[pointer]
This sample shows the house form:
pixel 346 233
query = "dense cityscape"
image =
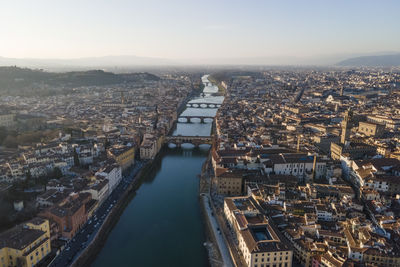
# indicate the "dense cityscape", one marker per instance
pixel 302 167
pixel 200 133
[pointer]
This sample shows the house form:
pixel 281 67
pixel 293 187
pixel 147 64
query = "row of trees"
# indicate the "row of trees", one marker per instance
pixel 31 182
pixel 11 138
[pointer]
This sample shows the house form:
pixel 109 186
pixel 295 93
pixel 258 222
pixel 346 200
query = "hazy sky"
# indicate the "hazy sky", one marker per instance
pixel 196 29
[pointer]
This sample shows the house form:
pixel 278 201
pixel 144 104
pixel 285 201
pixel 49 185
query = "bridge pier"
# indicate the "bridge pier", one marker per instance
pixel 203 105
pixel 195 140
pixel 201 118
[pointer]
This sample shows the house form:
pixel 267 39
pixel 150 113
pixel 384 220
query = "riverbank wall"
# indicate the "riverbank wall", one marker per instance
pixel 214 255
pixel 91 251
pixel 95 246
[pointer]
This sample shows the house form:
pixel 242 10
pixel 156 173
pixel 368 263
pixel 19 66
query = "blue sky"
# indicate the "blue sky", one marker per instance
pixel 197 29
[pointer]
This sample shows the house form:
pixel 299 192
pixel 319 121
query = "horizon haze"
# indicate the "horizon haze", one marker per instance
pixel 180 32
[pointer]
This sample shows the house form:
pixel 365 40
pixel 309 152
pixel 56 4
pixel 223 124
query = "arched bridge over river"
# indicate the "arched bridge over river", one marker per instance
pixel 195 140
pixel 189 118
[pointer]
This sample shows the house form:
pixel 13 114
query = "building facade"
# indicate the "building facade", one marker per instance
pixel 26 244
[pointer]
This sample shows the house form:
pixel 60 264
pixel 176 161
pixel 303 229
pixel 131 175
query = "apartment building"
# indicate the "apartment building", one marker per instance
pixel 25 244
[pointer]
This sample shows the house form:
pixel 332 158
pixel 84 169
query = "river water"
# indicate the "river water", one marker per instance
pixel 162 225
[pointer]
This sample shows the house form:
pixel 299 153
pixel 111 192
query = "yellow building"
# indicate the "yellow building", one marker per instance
pixel 25 244
pixel 380 258
pixel 230 183
pixel 371 129
pixel 123 155
pixel 150 146
pixel 353 149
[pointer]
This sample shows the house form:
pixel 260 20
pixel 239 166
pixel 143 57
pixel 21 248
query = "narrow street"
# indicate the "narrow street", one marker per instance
pixel 224 251
pixel 85 236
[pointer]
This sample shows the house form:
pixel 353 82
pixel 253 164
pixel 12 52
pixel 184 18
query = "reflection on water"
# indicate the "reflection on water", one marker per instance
pixel 162 225
pixel 164 217
pixel 195 127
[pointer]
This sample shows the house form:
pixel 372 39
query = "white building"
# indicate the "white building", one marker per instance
pixel 299 165
pixel 113 174
pixel 99 190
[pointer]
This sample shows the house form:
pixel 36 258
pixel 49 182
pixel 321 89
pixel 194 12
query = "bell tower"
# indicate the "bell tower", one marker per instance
pixel 346 126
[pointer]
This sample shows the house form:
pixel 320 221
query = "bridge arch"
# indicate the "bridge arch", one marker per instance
pixel 194 140
pixel 203 119
pixel 203 105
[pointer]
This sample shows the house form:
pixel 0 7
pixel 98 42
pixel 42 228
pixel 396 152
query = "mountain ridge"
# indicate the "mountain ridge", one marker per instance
pixel 26 81
pixel 372 61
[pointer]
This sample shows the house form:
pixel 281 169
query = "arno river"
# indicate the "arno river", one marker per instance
pixel 162 225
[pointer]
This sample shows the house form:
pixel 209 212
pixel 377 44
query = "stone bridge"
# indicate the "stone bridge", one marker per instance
pixel 178 140
pixel 189 118
pixel 203 105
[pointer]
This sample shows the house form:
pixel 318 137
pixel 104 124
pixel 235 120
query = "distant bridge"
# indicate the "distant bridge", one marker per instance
pixel 189 118
pixel 203 105
pixel 178 140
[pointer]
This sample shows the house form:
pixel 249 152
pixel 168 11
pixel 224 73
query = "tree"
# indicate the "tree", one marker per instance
pixel 107 144
pixel 28 175
pixel 57 173
pixel 10 142
pixel 76 158
pixel 3 134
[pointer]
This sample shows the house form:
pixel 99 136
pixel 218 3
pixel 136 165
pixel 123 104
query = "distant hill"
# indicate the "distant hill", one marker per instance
pixel 24 81
pixel 372 61
pixel 85 62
